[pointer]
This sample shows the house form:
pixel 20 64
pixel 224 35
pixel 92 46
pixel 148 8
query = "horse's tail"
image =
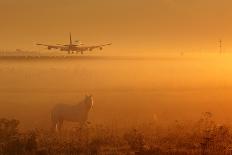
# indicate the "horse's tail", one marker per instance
pixel 52 115
pixel 53 120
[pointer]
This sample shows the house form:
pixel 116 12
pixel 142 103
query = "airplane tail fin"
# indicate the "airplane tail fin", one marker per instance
pixel 70 38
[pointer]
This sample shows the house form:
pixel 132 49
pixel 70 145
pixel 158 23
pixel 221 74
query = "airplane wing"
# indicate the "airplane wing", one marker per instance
pixel 51 46
pixel 90 48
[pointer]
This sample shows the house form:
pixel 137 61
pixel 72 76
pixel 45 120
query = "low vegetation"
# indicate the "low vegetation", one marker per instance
pixel 181 138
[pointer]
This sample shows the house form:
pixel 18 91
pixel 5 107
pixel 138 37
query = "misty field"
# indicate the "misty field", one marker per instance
pixel 137 102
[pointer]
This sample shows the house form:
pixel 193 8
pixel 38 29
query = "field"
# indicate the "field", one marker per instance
pixel 161 104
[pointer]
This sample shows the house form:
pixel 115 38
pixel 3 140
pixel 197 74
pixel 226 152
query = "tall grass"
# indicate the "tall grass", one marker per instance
pixel 180 138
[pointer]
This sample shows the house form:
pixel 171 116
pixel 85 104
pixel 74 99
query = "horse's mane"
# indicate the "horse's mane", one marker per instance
pixel 80 103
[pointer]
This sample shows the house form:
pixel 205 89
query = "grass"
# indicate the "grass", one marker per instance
pixel 180 138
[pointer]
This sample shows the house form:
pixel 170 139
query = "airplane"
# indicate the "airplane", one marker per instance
pixel 72 48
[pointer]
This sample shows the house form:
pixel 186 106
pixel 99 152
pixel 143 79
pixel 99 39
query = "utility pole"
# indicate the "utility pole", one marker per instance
pixel 220 46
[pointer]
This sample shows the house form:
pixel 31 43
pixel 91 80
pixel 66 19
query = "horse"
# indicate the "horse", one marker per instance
pixel 72 113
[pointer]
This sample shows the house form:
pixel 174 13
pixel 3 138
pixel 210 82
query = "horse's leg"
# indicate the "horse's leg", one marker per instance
pixel 83 122
pixel 53 128
pixel 82 125
pixel 59 125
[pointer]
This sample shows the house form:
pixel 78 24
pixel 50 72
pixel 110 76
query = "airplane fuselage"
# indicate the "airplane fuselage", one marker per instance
pixel 72 48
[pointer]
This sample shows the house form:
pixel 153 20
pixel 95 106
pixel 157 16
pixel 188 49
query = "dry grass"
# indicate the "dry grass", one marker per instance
pixel 180 138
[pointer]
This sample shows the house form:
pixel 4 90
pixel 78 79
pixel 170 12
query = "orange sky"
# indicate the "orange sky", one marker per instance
pixel 129 24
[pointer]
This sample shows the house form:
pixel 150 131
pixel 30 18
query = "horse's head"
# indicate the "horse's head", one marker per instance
pixel 89 101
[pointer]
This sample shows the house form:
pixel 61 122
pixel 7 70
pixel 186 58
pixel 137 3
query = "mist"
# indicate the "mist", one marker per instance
pixel 126 89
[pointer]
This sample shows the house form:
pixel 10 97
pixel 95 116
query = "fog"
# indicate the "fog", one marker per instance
pixel 126 89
